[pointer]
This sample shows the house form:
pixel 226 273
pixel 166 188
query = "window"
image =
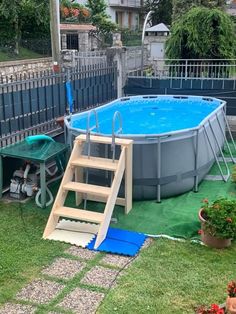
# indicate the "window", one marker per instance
pixel 72 41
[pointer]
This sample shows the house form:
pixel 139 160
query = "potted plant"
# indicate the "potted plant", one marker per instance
pixel 214 309
pixel 231 299
pixel 218 222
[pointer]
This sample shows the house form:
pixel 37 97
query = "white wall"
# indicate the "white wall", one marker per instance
pixel 112 13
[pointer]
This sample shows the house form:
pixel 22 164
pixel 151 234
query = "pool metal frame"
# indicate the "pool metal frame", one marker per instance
pixel 205 126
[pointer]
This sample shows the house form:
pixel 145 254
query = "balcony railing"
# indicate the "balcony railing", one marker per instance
pixel 125 3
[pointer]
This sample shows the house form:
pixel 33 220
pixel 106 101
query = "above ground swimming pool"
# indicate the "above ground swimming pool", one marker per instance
pixel 176 139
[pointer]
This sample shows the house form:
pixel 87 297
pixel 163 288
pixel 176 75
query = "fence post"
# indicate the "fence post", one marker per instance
pixel 117 54
pixel 186 69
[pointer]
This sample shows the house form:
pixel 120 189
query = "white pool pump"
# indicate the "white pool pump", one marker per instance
pixel 23 184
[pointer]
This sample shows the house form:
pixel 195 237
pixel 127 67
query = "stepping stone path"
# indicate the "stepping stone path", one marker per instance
pixel 100 277
pixel 82 301
pixel 10 308
pixel 64 268
pixel 40 291
pixel 81 298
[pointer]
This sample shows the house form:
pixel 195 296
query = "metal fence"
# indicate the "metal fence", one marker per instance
pixel 30 103
pixel 90 57
pixel 189 68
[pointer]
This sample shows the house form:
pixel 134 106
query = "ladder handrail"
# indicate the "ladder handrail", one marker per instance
pixel 88 133
pixel 116 115
pixel 89 129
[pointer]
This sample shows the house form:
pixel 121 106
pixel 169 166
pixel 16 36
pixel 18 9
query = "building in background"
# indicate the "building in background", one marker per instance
pixel 125 13
pixel 231 7
pixel 77 37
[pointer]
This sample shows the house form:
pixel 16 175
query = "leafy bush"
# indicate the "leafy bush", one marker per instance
pixel 220 218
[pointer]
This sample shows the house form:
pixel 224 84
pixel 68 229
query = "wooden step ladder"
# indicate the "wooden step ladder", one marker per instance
pixel 73 181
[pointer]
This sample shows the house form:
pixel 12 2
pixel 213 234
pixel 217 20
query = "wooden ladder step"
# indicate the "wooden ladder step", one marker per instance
pixel 104 140
pixel 87 188
pixel 96 163
pixel 79 214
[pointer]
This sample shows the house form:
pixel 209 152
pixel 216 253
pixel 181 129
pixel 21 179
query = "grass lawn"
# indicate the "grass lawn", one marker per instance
pixel 168 277
pixel 22 251
pixel 173 277
pixel 23 54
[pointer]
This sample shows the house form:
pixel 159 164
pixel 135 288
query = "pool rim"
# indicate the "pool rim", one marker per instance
pixel 152 136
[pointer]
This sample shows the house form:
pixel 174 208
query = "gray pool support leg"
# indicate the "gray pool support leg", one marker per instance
pixel 196 162
pixel 158 170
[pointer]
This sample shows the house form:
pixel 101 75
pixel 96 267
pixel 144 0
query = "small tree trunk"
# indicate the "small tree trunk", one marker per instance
pixel 16 37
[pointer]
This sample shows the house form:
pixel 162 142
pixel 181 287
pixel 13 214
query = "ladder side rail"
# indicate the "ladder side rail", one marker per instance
pixel 88 141
pixel 102 232
pixel 113 145
pixel 214 154
pixel 61 194
pixel 228 127
pixel 225 139
pixel 221 152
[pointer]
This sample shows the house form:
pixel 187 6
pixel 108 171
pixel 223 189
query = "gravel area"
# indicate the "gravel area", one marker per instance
pixel 40 291
pixel 100 276
pixel 10 308
pixel 82 301
pixel 147 243
pixel 116 260
pixel 82 253
pixel 64 268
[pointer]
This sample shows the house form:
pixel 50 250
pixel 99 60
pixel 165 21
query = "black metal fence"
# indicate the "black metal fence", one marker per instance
pixel 220 88
pixel 29 104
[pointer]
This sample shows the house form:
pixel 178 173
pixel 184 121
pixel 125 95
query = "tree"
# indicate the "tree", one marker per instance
pixel 99 17
pixel 180 7
pixel 162 11
pixel 17 13
pixel 202 33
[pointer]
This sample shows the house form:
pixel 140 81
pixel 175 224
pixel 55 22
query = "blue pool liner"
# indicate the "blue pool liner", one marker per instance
pixel 121 242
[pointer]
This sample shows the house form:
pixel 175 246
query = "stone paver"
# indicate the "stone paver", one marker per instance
pixel 116 260
pixel 64 268
pixel 10 308
pixel 81 252
pixel 82 301
pixel 100 276
pixel 40 291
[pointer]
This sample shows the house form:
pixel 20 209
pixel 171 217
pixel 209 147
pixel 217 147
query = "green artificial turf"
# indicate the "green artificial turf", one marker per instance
pixel 176 216
pixel 172 277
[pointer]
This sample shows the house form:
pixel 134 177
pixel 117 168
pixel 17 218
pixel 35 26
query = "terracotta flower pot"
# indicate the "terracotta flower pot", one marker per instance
pixel 209 240
pixel 231 305
pixel 60 121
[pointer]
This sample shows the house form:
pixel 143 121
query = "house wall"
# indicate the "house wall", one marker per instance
pixel 111 11
pixel 86 42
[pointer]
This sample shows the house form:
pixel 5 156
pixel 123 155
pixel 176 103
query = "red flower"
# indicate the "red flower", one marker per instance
pixel 215 309
pixel 75 12
pixel 200 231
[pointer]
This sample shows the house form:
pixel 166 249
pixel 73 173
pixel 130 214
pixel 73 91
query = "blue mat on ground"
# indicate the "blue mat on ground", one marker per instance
pixel 120 242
